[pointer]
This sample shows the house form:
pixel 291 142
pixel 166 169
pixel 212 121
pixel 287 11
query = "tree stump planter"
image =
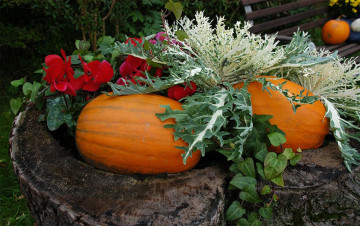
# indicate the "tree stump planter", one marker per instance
pixel 61 189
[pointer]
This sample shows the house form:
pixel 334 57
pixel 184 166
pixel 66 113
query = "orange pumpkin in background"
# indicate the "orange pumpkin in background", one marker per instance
pixel 122 134
pixel 305 129
pixel 335 31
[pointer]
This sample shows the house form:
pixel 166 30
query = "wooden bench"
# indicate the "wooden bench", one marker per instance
pixel 285 17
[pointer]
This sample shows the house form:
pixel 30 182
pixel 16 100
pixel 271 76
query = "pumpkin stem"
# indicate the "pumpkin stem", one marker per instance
pixel 339 17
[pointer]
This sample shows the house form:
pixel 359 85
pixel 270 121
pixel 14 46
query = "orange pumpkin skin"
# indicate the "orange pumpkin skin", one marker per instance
pixel 335 31
pixel 122 134
pixel 305 129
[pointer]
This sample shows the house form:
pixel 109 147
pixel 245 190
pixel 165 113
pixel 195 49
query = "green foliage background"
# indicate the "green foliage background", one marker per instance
pixel 33 29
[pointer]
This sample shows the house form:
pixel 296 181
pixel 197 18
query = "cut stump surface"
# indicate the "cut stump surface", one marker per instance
pixel 61 189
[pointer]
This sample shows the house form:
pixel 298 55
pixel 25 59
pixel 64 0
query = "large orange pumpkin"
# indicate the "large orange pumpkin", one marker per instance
pixel 122 134
pixel 305 129
pixel 335 31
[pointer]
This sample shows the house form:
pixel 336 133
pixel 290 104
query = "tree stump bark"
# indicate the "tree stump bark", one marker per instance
pixel 61 189
pixel 319 190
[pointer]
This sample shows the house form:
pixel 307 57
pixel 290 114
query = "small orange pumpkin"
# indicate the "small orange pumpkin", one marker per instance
pixel 122 134
pixel 335 31
pixel 305 129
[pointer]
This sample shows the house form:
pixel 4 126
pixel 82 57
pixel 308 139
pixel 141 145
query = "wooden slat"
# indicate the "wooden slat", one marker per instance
pixel 304 27
pixel 347 46
pixel 248 2
pixel 288 19
pixel 281 8
pixel 331 47
pixel 352 48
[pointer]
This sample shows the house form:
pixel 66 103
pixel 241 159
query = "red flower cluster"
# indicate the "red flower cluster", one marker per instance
pixel 133 67
pixel 178 92
pixel 60 74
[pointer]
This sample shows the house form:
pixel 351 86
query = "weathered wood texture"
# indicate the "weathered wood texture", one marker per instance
pixel 319 191
pixel 286 18
pixel 63 190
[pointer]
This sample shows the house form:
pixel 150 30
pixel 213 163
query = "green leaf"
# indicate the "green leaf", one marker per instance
pixel 242 222
pixel 276 138
pixel 288 152
pixel 261 152
pixel 39 71
pixel 15 105
pixel 174 7
pixel 262 118
pixel 265 190
pixel 148 45
pixel 338 125
pixel 55 119
pixel 295 160
pixel 226 152
pixel 82 45
pixel 234 168
pixel 249 194
pixel 56 116
pixel 275 197
pixel 266 212
pixel 253 219
pixel 235 211
pixel 152 63
pixel 240 181
pixel 260 169
pixel 17 83
pixel 278 180
pixel 27 88
pixel 247 167
pixel 274 165
pixel 181 35
pixel 34 91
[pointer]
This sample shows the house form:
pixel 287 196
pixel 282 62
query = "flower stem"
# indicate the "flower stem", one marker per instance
pixel 66 103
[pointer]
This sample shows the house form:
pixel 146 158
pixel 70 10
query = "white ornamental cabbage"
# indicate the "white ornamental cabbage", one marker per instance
pixel 355 26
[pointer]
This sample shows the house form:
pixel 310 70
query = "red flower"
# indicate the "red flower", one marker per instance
pixel 95 74
pixel 134 66
pixel 133 41
pixel 60 74
pixel 178 92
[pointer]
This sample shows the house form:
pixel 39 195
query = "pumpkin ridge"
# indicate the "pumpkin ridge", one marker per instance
pixel 145 154
pixel 136 140
pixel 84 132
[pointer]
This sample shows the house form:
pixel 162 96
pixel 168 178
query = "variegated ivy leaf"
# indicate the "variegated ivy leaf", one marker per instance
pixel 207 116
pixel 338 125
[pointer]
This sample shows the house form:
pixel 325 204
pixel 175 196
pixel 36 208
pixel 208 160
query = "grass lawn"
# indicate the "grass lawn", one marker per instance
pixel 13 207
